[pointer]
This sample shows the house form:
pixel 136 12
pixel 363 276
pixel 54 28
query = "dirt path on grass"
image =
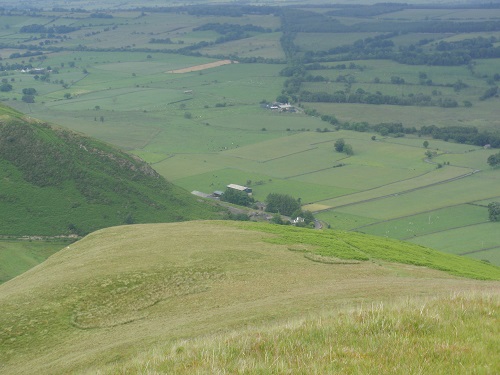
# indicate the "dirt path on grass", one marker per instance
pixel 203 66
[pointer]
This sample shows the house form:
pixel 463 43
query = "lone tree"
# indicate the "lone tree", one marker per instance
pixel 494 211
pixel 426 144
pixel 339 145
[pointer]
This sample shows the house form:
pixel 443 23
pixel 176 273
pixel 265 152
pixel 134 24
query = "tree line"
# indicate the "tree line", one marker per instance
pixel 460 134
pixel 55 29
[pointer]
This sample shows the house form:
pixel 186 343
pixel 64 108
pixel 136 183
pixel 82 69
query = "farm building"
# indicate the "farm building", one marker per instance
pixel 240 188
pixel 217 193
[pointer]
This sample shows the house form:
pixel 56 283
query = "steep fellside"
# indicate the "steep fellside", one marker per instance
pixel 56 182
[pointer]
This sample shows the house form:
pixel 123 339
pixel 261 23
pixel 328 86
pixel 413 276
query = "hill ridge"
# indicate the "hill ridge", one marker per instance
pixel 127 287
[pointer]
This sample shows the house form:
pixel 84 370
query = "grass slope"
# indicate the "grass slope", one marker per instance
pixel 121 291
pixel 17 257
pixel 56 182
pixel 438 336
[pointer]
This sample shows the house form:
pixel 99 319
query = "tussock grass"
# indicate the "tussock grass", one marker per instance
pixel 458 334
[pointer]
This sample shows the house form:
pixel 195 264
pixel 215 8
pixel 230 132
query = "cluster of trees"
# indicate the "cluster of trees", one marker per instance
pixel 16 55
pixel 462 134
pixel 29 95
pixel 237 197
pixel 101 15
pixel 284 204
pixel 5 86
pixel 341 146
pixel 14 66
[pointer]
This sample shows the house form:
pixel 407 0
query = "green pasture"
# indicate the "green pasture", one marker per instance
pixel 178 166
pixel 487 201
pixel 395 188
pixel 482 115
pixel 463 240
pixel 192 136
pixel 483 34
pixel 299 163
pixel 471 94
pixel 261 184
pixel 385 69
pixel 477 187
pixel 342 221
pixel 434 145
pixel 308 192
pixel 411 227
pixel 443 14
pixel 290 143
pixel 17 257
pixel 476 159
pixel 119 100
pixel 473 14
pixel 489 67
pixel 127 130
pixel 491 255
pixel 356 177
pixel 380 154
pixel 262 45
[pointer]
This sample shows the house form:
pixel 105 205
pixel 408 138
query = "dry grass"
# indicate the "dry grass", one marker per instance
pixel 458 334
pixel 120 291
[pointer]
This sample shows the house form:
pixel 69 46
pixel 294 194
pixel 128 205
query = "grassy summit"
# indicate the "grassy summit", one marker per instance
pixel 57 182
pixel 127 290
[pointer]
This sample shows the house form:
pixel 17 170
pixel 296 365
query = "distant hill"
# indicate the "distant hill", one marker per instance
pixel 56 182
pixel 124 295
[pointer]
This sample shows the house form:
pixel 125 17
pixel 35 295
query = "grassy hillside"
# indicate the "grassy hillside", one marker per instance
pixel 412 337
pixel 56 182
pixel 119 293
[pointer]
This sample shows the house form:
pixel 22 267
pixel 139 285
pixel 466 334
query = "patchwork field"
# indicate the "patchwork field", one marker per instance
pixel 208 127
pixel 262 95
